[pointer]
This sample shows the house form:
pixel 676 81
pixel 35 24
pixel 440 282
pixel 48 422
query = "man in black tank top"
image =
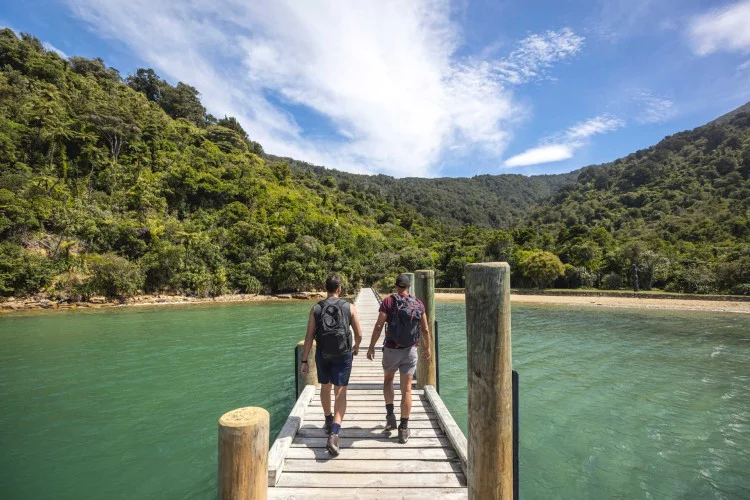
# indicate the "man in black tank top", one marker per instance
pixel 329 324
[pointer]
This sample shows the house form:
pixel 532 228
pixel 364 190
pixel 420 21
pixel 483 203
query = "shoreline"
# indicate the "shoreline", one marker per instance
pixel 724 306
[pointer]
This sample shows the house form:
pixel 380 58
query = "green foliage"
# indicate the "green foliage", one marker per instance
pixel 542 267
pixel 111 187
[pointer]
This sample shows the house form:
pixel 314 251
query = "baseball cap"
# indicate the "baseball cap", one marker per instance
pixel 403 281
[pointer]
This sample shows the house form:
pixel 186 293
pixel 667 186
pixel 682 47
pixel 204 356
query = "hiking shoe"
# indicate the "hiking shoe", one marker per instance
pixel 403 435
pixel 327 426
pixel 390 422
pixel 333 445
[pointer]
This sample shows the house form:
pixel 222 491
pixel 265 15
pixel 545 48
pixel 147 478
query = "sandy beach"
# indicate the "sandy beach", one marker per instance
pixel 623 302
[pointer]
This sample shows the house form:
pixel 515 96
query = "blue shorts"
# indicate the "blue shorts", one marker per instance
pixel 334 371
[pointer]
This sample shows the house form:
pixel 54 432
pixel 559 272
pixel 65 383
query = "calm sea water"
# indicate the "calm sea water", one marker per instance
pixel 124 403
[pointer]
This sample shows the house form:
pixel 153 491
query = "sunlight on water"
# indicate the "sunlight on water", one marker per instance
pixel 124 403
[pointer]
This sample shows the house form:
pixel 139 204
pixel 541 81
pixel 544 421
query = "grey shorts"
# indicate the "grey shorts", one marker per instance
pixel 401 360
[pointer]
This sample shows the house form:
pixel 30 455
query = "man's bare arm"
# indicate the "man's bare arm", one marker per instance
pixel 308 338
pixel 376 331
pixel 357 329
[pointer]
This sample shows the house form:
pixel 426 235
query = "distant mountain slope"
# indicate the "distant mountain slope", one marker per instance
pixel 491 201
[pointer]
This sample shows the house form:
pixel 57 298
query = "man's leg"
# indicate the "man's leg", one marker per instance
pixel 388 395
pixel 339 409
pixel 405 381
pixel 325 398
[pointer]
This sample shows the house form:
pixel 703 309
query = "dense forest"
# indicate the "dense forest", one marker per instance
pixel 117 186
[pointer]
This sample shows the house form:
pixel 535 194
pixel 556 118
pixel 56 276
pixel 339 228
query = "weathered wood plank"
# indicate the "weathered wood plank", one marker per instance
pixel 351 432
pixel 449 425
pixel 377 391
pixel 382 466
pixel 317 415
pixel 374 480
pixel 377 424
pixel 383 442
pixel 374 409
pixel 366 493
pixel 286 435
pixel 375 454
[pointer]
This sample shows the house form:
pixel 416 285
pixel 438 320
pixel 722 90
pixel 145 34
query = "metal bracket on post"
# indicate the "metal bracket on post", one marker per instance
pixel 516 482
pixel 437 359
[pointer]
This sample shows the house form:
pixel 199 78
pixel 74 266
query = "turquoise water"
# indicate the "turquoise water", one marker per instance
pixel 124 403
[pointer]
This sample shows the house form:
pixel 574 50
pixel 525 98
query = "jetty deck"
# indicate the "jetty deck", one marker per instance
pixel 371 464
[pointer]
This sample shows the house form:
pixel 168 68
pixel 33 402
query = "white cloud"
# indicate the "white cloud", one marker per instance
pixel 745 65
pixel 726 29
pixel 541 154
pixel 384 75
pixel 51 47
pixel 593 126
pixel 561 146
pixel 653 109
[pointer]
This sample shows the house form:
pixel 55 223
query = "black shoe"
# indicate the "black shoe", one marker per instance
pixel 403 435
pixel 333 445
pixel 327 426
pixel 390 422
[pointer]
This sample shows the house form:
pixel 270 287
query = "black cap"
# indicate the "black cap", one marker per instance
pixel 403 281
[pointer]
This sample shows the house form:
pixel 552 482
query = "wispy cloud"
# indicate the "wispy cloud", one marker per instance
pixel 541 154
pixel 536 53
pixel 726 29
pixel 653 109
pixel 385 76
pixel 745 65
pixel 51 47
pixel 561 146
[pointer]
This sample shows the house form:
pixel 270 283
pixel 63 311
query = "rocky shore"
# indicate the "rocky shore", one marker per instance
pixel 39 302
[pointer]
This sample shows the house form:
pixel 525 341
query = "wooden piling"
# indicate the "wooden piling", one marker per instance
pixel 410 291
pixel 424 290
pixel 243 454
pixel 490 422
pixel 312 375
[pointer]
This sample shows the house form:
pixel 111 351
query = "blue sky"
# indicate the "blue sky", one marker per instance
pixel 433 87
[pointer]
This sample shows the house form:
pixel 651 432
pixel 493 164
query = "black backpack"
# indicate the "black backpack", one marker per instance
pixel 406 321
pixel 332 329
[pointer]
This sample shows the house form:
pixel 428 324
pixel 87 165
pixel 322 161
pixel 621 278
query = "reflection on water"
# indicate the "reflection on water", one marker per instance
pixel 614 403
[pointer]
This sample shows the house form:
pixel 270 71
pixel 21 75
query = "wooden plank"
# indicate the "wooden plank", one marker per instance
pixel 372 480
pixel 383 442
pixel 377 410
pixel 396 453
pixel 286 435
pixel 378 391
pixel 382 466
pixel 351 432
pixel 377 424
pixel 358 403
pixel 367 493
pixel 317 415
pixel 449 425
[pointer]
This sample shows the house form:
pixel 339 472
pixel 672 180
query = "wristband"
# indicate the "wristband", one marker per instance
pixel 304 362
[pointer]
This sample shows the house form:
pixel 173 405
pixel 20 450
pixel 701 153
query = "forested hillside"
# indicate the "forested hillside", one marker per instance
pixel 116 186
pixel 488 201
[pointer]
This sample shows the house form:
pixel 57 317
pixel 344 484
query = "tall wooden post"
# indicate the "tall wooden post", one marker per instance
pixel 490 423
pixel 411 286
pixel 424 290
pixel 243 454
pixel 312 375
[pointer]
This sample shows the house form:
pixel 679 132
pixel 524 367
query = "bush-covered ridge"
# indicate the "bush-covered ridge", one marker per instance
pixel 112 186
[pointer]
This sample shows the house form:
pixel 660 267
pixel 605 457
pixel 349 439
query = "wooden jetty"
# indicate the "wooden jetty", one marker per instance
pixel 437 462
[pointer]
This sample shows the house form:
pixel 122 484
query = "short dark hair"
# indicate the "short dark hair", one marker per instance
pixel 333 282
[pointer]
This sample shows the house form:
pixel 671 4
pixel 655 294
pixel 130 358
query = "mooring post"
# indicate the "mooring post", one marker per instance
pixel 424 290
pixel 243 454
pixel 312 374
pixel 411 285
pixel 488 350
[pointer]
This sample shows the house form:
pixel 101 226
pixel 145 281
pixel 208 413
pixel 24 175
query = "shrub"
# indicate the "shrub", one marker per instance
pixel 612 281
pixel 23 272
pixel 577 277
pixel 542 267
pixel 113 276
pixel 743 289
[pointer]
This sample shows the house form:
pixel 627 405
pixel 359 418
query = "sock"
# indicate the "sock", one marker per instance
pixel 404 423
pixel 329 418
pixel 389 409
pixel 335 429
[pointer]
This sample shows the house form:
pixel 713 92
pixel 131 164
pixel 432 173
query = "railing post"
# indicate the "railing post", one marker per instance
pixel 424 290
pixel 243 454
pixel 312 374
pixel 490 422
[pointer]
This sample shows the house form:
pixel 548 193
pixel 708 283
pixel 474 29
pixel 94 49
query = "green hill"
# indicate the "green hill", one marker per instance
pixel 112 186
